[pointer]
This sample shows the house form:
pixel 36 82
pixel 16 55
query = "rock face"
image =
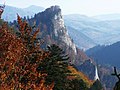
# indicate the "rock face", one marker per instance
pixel 54 32
pixel 60 29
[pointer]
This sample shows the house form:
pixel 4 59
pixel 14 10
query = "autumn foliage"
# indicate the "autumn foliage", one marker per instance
pixel 26 66
pixel 79 75
pixel 19 57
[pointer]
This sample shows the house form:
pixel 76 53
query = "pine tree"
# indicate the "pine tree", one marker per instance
pixel 56 67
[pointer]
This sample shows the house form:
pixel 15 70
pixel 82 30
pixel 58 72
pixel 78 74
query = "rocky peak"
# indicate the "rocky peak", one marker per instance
pixel 56 32
pixel 56 27
pixel 60 30
pixel 54 11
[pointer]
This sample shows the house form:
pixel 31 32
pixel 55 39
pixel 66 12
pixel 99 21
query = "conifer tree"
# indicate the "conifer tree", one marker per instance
pixel 56 67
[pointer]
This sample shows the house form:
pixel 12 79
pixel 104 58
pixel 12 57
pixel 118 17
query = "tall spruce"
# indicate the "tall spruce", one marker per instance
pixel 56 67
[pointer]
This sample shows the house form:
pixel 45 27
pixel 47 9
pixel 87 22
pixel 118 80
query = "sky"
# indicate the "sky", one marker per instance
pixel 84 7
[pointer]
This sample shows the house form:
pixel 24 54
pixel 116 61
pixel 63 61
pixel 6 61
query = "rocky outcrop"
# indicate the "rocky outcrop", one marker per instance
pixel 54 31
pixel 60 31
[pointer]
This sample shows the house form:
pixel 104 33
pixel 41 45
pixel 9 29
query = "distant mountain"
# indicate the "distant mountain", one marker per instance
pixel 34 9
pixel 106 54
pixel 79 17
pixel 94 49
pixel 115 24
pixel 82 41
pixel 107 17
pixel 98 32
pixel 10 13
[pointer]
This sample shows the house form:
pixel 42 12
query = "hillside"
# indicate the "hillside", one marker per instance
pixel 81 40
pixel 34 9
pixel 106 54
pixel 80 75
pixel 97 31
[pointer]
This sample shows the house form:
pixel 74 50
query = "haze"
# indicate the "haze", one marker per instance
pixel 86 7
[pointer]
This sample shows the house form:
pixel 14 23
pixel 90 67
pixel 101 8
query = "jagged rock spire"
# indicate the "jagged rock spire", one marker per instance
pixel 96 74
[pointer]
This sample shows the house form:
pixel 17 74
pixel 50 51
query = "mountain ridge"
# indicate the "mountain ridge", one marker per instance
pixel 108 54
pixel 13 11
pixel 104 17
pixel 97 31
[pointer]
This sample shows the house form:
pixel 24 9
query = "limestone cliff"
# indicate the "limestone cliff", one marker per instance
pixel 54 31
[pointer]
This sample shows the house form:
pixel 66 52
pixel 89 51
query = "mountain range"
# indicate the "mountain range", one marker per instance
pixel 85 31
pixel 10 13
pixel 106 17
pixel 96 31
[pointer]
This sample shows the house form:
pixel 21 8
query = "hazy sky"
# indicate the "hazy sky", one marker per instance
pixel 86 7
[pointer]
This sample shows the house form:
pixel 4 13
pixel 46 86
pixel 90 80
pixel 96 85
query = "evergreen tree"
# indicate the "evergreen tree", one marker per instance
pixel 56 67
